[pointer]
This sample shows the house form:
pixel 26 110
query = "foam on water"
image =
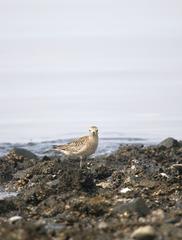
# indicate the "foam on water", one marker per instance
pixel 4 194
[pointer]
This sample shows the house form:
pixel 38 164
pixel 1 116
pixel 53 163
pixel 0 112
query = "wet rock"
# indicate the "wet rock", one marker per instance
pixel 102 172
pixel 7 205
pixel 58 200
pixel 17 159
pixel 21 153
pixel 86 181
pixel 144 233
pixel 6 170
pixel 169 143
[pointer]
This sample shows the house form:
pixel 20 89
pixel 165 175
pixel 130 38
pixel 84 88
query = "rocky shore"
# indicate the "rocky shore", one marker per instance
pixel 134 193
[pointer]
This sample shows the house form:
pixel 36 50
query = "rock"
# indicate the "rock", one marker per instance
pixel 169 143
pixel 125 190
pixel 14 219
pixel 144 233
pixel 101 172
pixel 177 166
pixel 164 175
pixel 102 225
pixel 104 185
pixel 137 205
pixel 21 153
pixel 7 205
pixel 157 216
pixel 58 200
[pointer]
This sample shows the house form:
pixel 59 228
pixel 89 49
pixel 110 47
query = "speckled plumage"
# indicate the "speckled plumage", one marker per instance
pixel 81 147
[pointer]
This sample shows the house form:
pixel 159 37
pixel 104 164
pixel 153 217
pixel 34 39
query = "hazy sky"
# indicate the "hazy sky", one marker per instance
pixel 72 63
pixel 95 35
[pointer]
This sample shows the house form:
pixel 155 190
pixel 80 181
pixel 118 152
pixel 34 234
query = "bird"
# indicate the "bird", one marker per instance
pixel 82 147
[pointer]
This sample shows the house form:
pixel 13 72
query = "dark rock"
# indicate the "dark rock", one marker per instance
pixel 102 172
pixel 20 154
pixel 6 170
pixel 23 231
pixel 7 205
pixel 59 200
pixel 137 205
pixel 96 206
pixel 46 158
pixel 169 143
pixel 50 207
pixel 86 181
pixel 178 167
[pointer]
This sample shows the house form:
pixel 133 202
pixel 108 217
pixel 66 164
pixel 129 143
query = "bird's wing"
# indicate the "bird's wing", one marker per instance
pixel 76 144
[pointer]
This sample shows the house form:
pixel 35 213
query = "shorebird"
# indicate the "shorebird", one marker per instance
pixel 82 147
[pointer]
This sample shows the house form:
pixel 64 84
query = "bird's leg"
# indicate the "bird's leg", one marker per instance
pixel 81 161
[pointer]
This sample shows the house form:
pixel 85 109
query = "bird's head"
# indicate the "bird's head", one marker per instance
pixel 93 131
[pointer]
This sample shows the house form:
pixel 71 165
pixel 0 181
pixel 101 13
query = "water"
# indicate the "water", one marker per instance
pixel 4 194
pixel 106 145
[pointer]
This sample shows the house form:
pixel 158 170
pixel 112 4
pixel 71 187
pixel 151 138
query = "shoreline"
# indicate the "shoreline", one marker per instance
pixel 111 197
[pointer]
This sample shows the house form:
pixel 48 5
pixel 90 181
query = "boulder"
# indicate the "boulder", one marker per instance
pixel 169 143
pixel 21 154
pixel 136 205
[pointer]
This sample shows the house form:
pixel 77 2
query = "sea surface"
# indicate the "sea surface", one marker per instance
pixel 106 145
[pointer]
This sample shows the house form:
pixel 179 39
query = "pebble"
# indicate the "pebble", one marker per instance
pixel 14 219
pixel 102 225
pixel 125 190
pixel 104 185
pixel 164 175
pixel 144 233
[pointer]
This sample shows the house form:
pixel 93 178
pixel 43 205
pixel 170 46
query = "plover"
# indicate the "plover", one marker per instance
pixel 82 147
